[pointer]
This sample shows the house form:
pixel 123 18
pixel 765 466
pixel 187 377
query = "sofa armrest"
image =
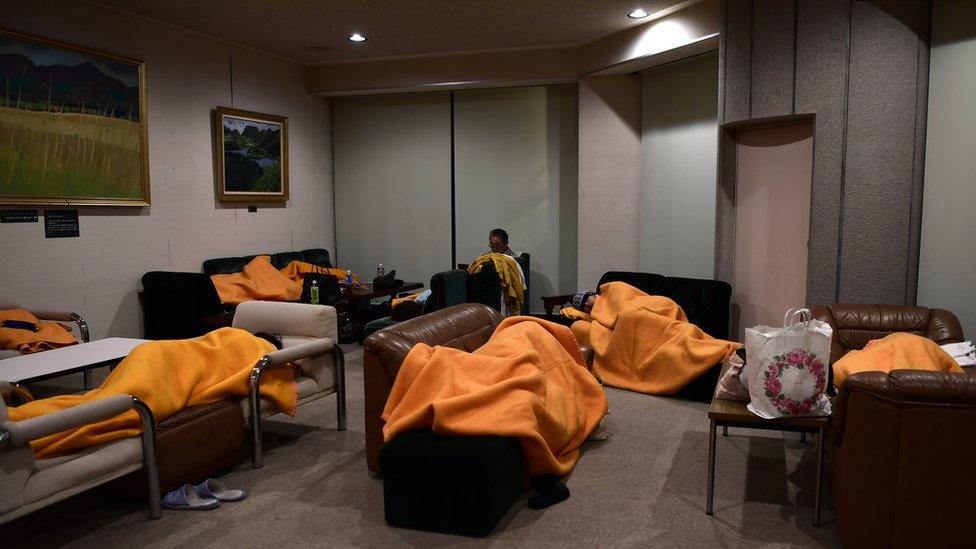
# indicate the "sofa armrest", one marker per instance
pixel 22 432
pixel 944 327
pixel 903 388
pixel 303 350
pixel 549 303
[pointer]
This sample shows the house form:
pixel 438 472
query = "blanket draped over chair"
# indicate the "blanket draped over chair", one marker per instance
pixel 528 381
pixel 261 281
pixel 644 342
pixel 168 376
pixel 509 276
pixel 897 351
pixel 50 335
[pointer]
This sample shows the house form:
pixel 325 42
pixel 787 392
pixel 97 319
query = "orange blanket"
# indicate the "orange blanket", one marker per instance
pixel 259 280
pixel 51 335
pixel 296 271
pixel 528 381
pixel 898 351
pixel 645 343
pixel 168 376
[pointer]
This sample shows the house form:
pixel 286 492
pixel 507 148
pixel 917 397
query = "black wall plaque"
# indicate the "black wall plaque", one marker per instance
pixel 61 223
pixel 18 216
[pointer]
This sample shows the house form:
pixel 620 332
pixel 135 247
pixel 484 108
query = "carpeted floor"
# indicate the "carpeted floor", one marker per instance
pixel 644 486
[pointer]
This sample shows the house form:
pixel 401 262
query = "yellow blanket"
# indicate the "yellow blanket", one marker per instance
pixel 51 335
pixel 528 381
pixel 508 276
pixel 897 351
pixel 645 343
pixel 259 280
pixel 168 376
pixel 296 271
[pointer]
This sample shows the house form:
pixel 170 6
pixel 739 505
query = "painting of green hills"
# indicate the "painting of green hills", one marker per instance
pixel 72 125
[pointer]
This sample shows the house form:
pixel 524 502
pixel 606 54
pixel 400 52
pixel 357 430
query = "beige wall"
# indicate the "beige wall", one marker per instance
pixel 680 148
pixel 609 176
pixel 98 274
pixel 947 266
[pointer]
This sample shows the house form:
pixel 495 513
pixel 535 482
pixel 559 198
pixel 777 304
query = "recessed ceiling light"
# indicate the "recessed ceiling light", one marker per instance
pixel 356 37
pixel 637 14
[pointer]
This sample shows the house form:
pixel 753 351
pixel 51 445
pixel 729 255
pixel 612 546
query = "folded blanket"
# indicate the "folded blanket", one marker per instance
pixel 897 351
pixel 528 381
pixel 258 281
pixel 509 276
pixel 168 376
pixel 645 343
pixel 296 271
pixel 50 335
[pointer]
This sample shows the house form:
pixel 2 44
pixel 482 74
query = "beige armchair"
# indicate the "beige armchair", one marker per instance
pixel 309 339
pixel 73 322
pixel 28 484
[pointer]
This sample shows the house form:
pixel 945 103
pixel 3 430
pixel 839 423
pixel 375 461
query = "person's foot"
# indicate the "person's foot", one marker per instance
pixel 551 491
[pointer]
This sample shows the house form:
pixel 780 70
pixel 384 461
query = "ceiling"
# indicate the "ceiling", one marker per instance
pixel 316 31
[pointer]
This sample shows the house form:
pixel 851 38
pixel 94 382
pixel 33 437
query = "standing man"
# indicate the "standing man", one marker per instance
pixel 498 242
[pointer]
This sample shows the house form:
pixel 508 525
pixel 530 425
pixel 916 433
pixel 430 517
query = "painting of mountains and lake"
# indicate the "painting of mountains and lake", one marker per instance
pixel 252 156
pixel 72 125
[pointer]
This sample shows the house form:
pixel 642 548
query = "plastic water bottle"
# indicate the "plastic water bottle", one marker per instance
pixel 380 271
pixel 313 292
pixel 348 278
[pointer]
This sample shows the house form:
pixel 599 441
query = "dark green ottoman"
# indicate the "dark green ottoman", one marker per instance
pixel 453 485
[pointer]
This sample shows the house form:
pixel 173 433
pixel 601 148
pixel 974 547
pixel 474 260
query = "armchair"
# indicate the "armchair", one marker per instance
pixel 78 327
pixel 28 484
pixel 447 288
pixel 309 339
pixel 900 446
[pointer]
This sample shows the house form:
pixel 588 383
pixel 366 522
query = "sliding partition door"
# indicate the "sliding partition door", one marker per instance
pixel 516 168
pixel 393 184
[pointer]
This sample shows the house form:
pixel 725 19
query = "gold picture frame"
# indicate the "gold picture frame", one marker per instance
pixel 74 126
pixel 250 156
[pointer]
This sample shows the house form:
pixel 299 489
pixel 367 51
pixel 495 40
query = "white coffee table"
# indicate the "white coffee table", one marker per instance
pixel 66 360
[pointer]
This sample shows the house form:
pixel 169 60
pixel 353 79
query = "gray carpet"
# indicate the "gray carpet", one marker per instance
pixel 644 486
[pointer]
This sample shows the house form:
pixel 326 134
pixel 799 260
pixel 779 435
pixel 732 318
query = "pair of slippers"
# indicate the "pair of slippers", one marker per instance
pixel 206 495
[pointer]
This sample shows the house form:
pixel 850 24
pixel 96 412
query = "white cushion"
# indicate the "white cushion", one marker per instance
pixel 52 476
pixel 293 319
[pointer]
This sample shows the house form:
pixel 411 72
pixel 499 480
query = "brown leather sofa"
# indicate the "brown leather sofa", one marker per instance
pixel 900 444
pixel 855 324
pixel 901 449
pixel 467 326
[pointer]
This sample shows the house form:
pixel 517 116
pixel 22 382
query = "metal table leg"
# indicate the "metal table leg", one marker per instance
pixel 88 379
pixel 711 466
pixel 821 435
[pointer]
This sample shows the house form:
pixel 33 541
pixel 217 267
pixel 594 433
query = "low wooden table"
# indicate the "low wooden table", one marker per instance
pixel 82 357
pixel 730 413
pixel 365 292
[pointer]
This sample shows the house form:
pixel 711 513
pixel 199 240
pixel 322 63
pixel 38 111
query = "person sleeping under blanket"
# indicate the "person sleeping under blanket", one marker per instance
pixel 22 331
pixel 261 281
pixel 641 342
pixel 528 381
pixel 168 376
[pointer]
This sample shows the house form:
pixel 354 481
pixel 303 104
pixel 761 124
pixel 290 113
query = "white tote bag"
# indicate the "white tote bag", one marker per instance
pixel 786 368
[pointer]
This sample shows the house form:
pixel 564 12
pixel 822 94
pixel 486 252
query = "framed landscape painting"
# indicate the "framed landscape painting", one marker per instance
pixel 73 127
pixel 251 156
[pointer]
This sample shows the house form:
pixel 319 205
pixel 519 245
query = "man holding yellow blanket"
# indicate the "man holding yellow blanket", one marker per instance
pixel 643 343
pixel 168 376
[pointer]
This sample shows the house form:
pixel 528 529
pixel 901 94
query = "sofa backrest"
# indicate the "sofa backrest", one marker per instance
pixel 466 326
pixel 447 288
pixel 230 265
pixel 705 302
pixel 856 324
